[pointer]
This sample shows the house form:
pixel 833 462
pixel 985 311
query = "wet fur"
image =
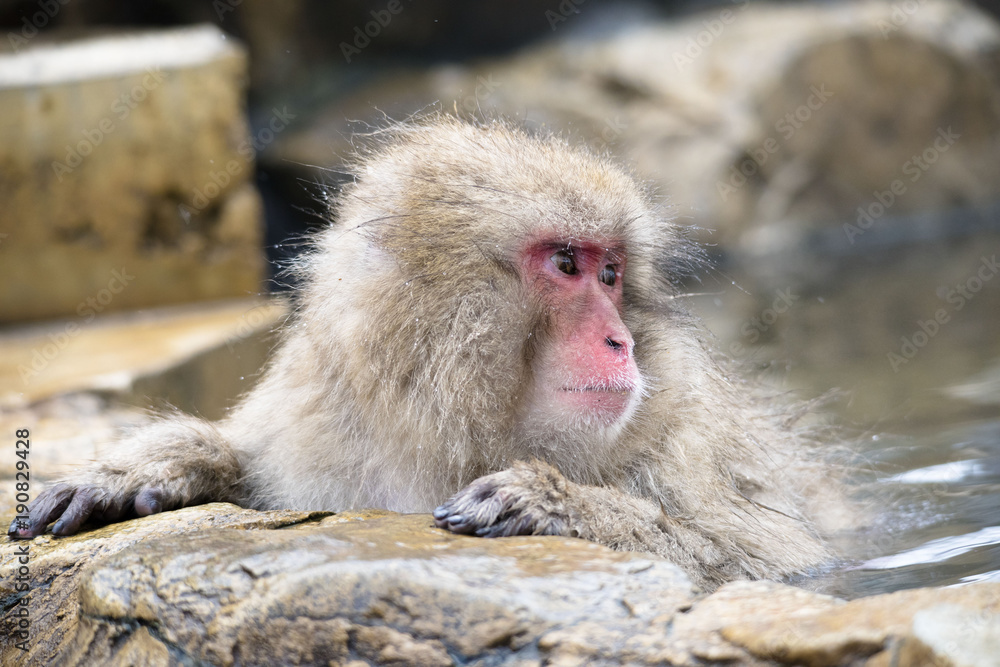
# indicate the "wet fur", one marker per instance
pixel 400 377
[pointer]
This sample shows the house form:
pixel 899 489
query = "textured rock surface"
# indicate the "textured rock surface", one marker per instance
pixel 127 158
pixel 54 567
pixel 379 588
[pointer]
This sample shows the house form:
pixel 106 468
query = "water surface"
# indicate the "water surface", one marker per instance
pixel 913 371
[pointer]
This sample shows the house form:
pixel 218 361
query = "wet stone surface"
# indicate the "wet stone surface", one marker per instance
pixel 217 584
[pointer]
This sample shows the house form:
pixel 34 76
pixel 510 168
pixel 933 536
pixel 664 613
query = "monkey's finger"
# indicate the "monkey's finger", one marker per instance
pixel 442 513
pixel 459 515
pixel 149 501
pixel 50 504
pixel 496 530
pixel 462 524
pixel 523 523
pixel 111 508
pixel 79 510
pixel 451 510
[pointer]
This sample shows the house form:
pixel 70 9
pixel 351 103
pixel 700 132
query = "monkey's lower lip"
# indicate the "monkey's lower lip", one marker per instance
pixel 602 390
pixel 604 403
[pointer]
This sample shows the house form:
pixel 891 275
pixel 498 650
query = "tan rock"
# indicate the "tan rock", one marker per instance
pixel 373 586
pixel 54 567
pixel 966 636
pixel 220 585
pixel 197 358
pixel 125 173
pixel 837 633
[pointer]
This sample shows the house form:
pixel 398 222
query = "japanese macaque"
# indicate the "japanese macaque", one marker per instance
pixel 490 329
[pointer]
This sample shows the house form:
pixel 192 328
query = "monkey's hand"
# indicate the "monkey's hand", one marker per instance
pixel 527 499
pixel 71 505
pixel 169 464
pixel 535 499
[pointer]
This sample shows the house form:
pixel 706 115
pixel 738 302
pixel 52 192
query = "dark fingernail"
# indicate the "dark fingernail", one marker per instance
pixel 441 512
pixel 58 528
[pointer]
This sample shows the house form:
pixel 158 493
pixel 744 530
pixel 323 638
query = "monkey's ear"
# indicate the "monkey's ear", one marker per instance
pixel 681 260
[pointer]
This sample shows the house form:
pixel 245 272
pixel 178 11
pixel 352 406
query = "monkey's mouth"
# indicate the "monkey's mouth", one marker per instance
pixel 605 390
pixel 608 385
pixel 604 403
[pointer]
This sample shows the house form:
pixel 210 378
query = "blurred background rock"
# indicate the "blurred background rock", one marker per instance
pixel 839 162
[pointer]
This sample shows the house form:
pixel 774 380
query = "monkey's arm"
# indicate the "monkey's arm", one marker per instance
pixel 535 499
pixel 172 463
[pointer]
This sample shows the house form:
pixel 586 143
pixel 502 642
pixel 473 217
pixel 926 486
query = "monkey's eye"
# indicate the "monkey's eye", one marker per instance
pixel 608 275
pixel 564 262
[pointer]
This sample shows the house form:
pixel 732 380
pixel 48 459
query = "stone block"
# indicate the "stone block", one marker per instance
pixel 126 174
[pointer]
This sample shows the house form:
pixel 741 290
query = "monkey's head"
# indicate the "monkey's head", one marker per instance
pixel 497 285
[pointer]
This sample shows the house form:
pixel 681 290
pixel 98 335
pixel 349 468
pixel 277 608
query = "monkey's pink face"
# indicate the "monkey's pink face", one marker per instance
pixel 585 369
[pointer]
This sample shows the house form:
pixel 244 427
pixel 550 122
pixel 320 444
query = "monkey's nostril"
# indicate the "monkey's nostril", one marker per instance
pixel 613 344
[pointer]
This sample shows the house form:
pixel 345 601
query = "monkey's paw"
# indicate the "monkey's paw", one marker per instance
pixel 71 505
pixel 527 499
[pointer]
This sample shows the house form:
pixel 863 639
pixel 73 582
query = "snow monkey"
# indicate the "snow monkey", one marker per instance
pixel 491 324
